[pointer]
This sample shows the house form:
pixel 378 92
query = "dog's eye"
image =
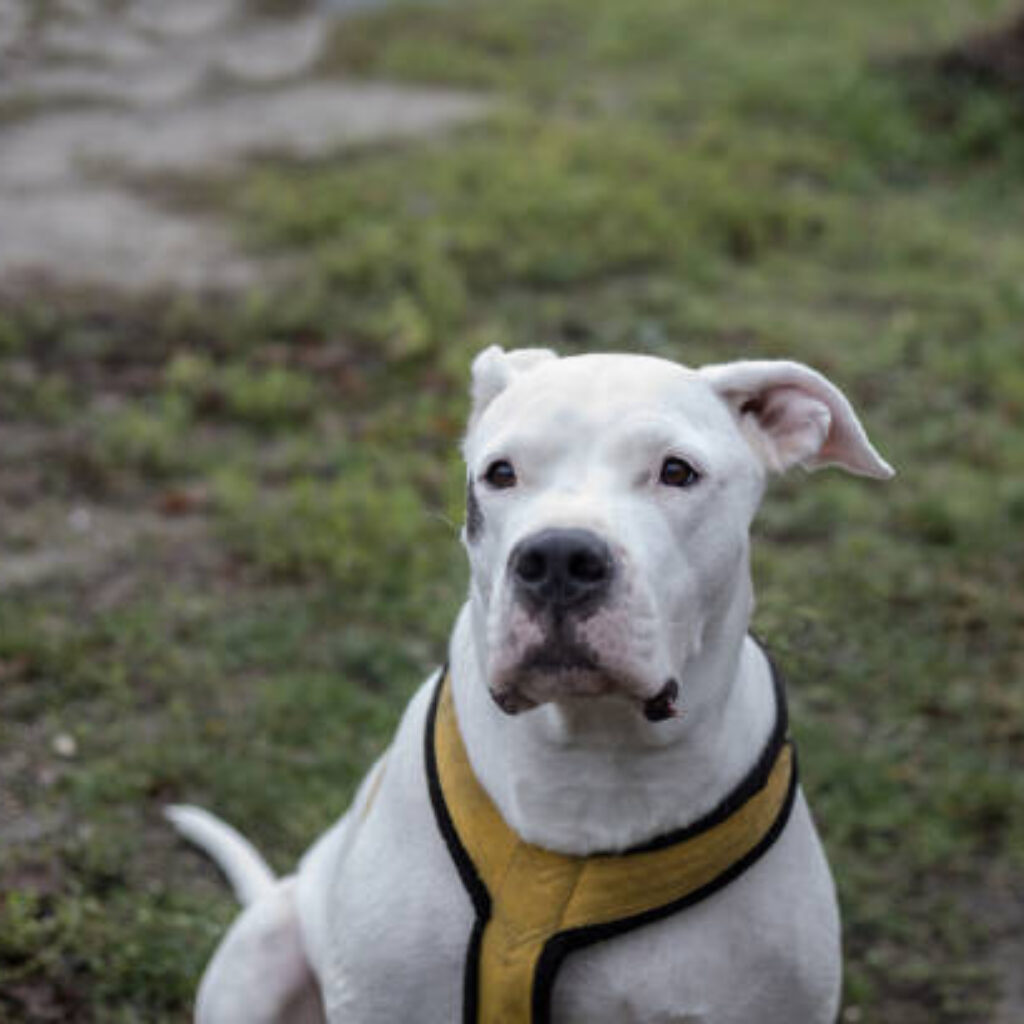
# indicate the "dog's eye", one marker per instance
pixel 501 475
pixel 678 473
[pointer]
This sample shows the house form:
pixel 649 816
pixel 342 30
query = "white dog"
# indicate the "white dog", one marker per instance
pixel 593 815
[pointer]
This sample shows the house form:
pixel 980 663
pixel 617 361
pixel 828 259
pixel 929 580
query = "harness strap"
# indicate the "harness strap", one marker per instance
pixel 534 906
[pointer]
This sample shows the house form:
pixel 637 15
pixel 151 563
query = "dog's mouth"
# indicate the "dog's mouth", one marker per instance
pixel 560 656
pixel 555 668
pixel 562 668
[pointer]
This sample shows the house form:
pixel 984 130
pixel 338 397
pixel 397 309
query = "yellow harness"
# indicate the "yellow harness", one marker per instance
pixel 534 907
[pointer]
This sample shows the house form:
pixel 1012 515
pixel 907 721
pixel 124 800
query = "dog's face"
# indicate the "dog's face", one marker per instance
pixel 609 500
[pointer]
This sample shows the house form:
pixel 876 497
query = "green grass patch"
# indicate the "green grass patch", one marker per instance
pixel 694 181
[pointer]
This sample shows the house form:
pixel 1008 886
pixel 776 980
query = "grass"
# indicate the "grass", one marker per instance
pixel 697 181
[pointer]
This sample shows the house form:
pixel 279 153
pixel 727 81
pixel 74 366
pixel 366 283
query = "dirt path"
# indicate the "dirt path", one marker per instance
pixel 96 97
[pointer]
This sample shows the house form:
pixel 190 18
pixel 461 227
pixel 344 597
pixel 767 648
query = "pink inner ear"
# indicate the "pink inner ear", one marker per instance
pixel 795 425
pixel 792 415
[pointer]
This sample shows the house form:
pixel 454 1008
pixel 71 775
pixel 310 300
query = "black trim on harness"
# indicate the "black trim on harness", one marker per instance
pixel 467 869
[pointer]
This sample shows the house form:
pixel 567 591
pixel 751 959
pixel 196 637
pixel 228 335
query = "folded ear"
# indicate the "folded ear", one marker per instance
pixel 494 369
pixel 793 416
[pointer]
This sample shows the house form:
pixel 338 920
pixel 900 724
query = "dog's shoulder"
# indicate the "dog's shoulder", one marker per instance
pixel 378 894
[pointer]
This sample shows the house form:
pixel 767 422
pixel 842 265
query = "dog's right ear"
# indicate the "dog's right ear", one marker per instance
pixel 494 369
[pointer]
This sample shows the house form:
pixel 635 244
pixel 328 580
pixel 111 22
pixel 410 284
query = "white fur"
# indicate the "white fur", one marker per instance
pixel 247 872
pixel 377 906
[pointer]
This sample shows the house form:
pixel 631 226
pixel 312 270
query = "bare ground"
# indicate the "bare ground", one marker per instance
pixel 91 97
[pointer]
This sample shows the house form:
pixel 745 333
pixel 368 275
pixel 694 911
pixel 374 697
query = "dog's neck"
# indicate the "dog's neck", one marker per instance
pixel 591 775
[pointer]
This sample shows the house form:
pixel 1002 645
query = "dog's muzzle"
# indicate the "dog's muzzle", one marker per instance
pixel 567 633
pixel 562 570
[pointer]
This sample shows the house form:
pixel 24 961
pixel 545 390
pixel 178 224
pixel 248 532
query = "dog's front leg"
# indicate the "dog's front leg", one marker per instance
pixel 260 974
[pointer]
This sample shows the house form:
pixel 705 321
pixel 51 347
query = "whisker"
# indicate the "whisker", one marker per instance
pixel 442 518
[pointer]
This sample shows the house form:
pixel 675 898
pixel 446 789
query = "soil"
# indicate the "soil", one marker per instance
pixel 96 101
pixel 994 57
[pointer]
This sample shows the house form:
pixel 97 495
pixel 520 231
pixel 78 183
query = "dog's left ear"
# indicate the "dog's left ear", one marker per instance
pixel 793 416
pixel 494 369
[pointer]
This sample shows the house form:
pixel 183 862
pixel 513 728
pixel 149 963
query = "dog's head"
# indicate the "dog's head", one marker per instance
pixel 608 505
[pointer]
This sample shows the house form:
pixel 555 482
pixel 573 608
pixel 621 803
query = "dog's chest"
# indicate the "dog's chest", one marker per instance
pixel 399 942
pixel 398 953
pixel 400 922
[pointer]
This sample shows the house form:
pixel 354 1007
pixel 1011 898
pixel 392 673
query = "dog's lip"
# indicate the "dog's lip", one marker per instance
pixel 558 660
pixel 512 695
pixel 512 701
pixel 564 666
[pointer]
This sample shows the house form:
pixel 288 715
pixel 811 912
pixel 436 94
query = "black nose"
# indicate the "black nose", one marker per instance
pixel 562 569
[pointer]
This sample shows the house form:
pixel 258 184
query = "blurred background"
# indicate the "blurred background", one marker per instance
pixel 247 249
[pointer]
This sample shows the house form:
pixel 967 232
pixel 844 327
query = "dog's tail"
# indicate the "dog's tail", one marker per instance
pixel 249 874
